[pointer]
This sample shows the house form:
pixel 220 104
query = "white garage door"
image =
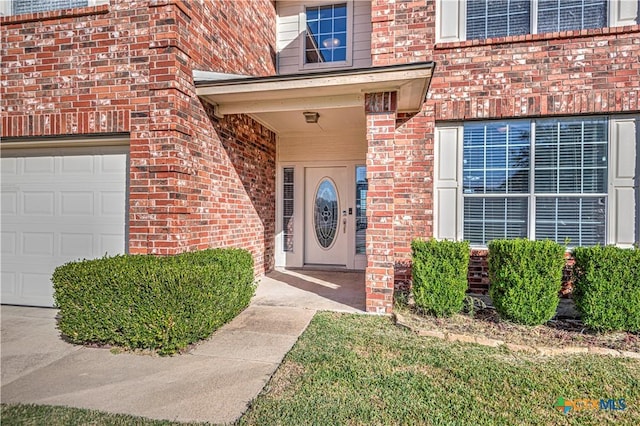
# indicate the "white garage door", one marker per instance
pixel 57 206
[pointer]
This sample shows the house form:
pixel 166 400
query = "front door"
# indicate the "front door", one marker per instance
pixel 326 216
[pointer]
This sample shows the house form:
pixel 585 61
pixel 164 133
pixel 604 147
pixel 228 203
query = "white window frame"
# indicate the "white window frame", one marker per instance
pixel 451 17
pixel 533 195
pixel 302 23
pixel 622 215
pixel 6 6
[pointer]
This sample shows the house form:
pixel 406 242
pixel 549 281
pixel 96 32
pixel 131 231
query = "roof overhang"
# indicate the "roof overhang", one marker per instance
pixel 312 91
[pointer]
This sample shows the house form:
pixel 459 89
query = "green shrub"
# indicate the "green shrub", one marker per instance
pixel 440 275
pixel 149 302
pixel 607 287
pixel 525 279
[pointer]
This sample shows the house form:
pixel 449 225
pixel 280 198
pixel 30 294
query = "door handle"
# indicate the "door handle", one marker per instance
pixel 344 221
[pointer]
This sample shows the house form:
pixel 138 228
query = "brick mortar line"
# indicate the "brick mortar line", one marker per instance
pixel 541 350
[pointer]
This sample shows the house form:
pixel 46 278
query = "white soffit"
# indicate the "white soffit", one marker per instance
pixel 313 91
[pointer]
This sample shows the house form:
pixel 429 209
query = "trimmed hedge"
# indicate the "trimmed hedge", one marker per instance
pixel 150 302
pixel 440 275
pixel 525 279
pixel 607 287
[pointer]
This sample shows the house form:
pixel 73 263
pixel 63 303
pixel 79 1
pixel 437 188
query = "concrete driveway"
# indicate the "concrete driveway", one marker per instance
pixel 213 382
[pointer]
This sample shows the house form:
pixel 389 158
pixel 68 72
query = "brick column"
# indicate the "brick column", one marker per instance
pixel 380 110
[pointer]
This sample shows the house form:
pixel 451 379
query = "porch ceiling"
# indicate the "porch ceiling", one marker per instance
pixel 278 101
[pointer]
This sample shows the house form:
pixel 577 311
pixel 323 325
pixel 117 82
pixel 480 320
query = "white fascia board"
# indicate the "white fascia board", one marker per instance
pixel 291 104
pixel 410 84
pixel 199 75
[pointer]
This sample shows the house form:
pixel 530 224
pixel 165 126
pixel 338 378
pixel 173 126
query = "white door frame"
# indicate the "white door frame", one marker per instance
pixel 296 257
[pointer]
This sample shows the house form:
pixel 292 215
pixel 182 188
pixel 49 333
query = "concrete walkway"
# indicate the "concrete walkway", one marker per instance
pixel 214 382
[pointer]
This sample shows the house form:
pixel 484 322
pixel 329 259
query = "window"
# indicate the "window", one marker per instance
pixel 287 208
pixel 32 6
pixel 487 19
pixel 542 179
pixel 483 19
pixel 562 15
pixel 326 35
pixel 361 208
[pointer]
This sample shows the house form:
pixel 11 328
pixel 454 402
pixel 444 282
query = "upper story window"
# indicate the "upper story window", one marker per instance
pixel 500 18
pixel 487 19
pixel 32 6
pixel 315 35
pixel 326 34
pixel 563 15
pixel 459 20
pixel 19 7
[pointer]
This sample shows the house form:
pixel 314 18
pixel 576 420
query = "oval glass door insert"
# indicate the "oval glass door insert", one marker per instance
pixel 325 216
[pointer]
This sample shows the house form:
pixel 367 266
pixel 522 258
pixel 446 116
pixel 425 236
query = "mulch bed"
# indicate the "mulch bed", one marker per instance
pixel 485 322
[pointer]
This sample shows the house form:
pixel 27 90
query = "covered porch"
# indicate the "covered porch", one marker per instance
pixel 334 167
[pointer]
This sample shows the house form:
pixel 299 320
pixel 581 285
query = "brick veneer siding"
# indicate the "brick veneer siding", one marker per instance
pixel 569 73
pixel 380 110
pixel 195 180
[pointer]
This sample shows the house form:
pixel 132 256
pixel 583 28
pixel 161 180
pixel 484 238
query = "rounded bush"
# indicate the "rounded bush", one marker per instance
pixel 525 279
pixel 149 302
pixel 607 287
pixel 439 275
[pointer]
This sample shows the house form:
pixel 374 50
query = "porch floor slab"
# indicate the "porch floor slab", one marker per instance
pixel 320 290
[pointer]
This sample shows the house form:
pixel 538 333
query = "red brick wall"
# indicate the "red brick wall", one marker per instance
pixel 569 73
pixel 195 181
pixel 380 110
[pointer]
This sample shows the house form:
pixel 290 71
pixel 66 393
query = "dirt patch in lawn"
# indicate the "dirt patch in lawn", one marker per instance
pixel 556 333
pixel 284 379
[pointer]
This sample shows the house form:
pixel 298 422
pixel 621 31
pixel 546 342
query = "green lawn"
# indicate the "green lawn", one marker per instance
pixel 358 369
pixel 46 415
pixel 349 369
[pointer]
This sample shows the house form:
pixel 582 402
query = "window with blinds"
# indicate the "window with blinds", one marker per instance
pixel 32 6
pixel 287 208
pixel 490 18
pixel 501 18
pixel 563 15
pixel 542 179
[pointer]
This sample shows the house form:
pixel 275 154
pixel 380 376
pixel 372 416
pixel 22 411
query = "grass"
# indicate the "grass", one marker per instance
pixel 36 415
pixel 358 369
pixel 349 369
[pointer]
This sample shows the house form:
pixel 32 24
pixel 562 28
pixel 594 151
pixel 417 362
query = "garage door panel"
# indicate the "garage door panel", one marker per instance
pixel 8 284
pixel 58 208
pixel 9 166
pixel 111 204
pixel 9 202
pixel 109 244
pixel 36 285
pixel 77 164
pixel 38 203
pixel 37 243
pixel 28 287
pixel 76 203
pixel 39 165
pixel 75 245
pixel 114 165
pixel 9 241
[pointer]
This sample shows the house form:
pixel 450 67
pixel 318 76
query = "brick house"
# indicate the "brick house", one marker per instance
pixel 325 133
